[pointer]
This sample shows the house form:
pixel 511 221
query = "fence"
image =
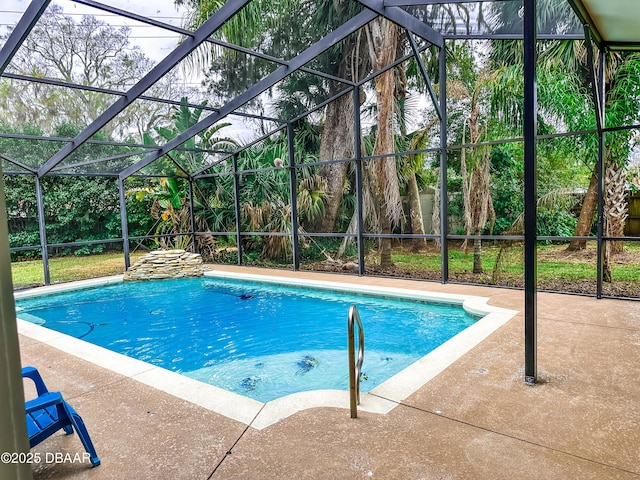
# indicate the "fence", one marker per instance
pixel 632 227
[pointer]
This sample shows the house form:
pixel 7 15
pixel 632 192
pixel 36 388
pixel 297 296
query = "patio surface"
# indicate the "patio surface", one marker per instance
pixel 475 420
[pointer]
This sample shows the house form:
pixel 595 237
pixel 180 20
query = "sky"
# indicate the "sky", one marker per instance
pixel 156 43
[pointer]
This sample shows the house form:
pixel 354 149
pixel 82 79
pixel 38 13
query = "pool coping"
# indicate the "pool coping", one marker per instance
pixel 382 399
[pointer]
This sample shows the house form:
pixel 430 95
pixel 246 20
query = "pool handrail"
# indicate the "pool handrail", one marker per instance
pixel 355 367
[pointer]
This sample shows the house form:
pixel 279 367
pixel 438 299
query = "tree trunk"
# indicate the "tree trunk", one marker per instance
pixel 337 140
pixel 477 254
pixel 615 214
pixel 615 204
pixel 336 144
pixel 386 244
pixel 606 263
pixel 476 182
pixel 415 210
pixel 435 216
pixel 383 45
pixel 385 168
pixel 587 211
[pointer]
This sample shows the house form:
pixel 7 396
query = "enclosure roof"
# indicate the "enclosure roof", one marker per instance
pixel 614 22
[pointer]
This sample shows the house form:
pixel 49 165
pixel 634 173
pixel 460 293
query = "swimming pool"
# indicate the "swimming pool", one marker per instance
pixel 256 413
pixel 260 340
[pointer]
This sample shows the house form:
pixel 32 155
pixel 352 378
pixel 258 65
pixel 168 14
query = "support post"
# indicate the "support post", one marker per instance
pixel 597 93
pixel 357 149
pixel 43 232
pixel 236 198
pixel 600 105
pixel 530 194
pixel 12 424
pixel 192 217
pixel 295 248
pixel 444 198
pixel 124 224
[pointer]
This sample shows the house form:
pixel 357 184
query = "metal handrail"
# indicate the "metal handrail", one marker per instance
pixel 355 367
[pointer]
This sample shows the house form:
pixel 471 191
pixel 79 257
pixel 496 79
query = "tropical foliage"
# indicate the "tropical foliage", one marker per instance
pixel 170 193
pixel 264 195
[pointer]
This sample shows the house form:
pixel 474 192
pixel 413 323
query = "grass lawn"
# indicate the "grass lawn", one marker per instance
pixel 557 269
pixel 554 262
pixel 66 269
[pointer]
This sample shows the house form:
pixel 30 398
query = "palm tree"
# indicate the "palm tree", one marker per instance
pixel 472 88
pixel 476 191
pixel 563 90
pixel 384 37
pixel 565 64
pixel 385 43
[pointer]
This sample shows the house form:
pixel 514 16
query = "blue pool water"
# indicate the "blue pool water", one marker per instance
pixel 259 340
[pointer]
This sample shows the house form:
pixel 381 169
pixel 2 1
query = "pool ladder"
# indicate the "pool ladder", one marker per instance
pixel 355 366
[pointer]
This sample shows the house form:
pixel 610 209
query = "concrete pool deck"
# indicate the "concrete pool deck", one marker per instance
pixel 475 420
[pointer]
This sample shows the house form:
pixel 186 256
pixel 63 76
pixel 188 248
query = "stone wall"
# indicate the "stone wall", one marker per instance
pixel 166 264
